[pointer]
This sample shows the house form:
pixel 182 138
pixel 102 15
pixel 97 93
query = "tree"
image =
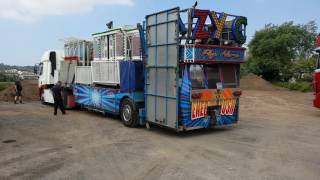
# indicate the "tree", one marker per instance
pixel 274 49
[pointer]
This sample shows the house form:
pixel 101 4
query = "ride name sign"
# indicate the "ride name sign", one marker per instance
pixel 198 109
pixel 211 53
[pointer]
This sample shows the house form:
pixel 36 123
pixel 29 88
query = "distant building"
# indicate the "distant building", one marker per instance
pixel 21 74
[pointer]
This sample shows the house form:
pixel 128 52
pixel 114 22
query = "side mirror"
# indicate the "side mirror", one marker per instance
pixel 35 69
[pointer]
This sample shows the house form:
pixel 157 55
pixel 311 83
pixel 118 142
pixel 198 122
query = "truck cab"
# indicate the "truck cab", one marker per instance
pixel 49 64
pixel 59 65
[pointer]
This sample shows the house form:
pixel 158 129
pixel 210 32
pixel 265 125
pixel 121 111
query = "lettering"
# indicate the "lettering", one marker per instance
pixel 199 109
pixel 227 107
pixel 229 54
pixel 218 21
pixel 198 32
pixel 238 29
pixel 209 53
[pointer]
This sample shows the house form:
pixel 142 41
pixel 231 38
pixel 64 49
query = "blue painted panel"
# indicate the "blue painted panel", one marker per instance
pixel 185 104
pixel 131 76
pixel 211 53
pixel 105 99
pixel 100 98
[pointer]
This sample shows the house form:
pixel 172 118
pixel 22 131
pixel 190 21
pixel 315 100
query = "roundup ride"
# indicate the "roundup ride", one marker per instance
pixel 180 69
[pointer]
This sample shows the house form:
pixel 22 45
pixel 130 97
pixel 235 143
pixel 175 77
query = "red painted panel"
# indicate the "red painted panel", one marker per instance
pixel 318 42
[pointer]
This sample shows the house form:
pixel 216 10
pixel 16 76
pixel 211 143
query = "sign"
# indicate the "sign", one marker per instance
pixel 227 107
pixel 199 109
pixel 206 53
pixel 218 21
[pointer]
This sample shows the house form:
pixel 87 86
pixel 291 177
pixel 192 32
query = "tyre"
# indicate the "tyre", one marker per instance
pixel 128 113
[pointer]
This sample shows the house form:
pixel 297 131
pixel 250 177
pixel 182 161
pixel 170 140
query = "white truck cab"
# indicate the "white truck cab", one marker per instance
pixel 50 62
pixel 48 68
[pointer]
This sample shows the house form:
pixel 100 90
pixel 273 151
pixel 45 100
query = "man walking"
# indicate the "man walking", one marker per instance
pixel 18 89
pixel 56 91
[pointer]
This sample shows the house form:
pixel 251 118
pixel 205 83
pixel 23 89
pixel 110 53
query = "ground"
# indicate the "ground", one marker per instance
pixel 277 139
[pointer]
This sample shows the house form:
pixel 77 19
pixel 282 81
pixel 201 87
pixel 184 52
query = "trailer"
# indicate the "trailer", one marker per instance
pixel 178 69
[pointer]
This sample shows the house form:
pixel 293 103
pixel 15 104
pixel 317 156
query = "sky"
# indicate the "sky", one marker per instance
pixel 29 27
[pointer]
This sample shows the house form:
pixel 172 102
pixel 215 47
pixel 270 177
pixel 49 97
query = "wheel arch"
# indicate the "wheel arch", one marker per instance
pixel 121 100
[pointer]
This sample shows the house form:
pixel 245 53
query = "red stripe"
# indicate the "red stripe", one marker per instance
pixel 72 58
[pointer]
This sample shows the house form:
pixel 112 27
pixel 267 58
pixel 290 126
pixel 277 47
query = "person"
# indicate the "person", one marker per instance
pixel 56 91
pixel 18 89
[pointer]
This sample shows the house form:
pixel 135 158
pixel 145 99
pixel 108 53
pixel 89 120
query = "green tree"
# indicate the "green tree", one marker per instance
pixel 274 50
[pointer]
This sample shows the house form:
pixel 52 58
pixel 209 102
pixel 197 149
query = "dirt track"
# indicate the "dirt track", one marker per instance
pixel 278 138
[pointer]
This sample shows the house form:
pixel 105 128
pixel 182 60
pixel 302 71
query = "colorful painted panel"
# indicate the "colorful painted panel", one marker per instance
pixel 211 54
pixel 185 105
pixel 100 98
pixel 222 106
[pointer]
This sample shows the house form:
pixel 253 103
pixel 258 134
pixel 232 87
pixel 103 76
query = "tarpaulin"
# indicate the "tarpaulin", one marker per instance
pixel 131 76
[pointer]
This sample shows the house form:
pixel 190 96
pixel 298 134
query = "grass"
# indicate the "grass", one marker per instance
pixel 302 86
pixel 4 85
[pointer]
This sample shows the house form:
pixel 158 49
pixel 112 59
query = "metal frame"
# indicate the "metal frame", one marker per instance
pixel 167 67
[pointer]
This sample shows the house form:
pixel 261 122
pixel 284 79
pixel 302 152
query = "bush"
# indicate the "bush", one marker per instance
pixel 302 86
pixel 4 85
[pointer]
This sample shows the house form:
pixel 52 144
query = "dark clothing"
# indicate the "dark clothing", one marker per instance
pixel 18 93
pixel 18 88
pixel 56 91
pixel 18 85
pixel 58 102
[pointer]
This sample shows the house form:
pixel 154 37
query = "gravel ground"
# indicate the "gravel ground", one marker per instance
pixel 277 138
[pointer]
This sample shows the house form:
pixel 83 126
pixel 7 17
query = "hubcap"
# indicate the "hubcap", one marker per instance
pixel 126 113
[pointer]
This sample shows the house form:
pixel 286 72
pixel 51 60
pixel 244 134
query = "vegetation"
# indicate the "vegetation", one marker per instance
pixel 4 85
pixel 6 78
pixel 284 53
pixel 302 86
pixel 6 81
pixel 4 67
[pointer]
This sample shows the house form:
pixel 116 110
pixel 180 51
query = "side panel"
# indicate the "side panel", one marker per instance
pixel 162 67
pixel 105 72
pixel 102 99
pixel 66 72
pixel 99 98
pixel 83 75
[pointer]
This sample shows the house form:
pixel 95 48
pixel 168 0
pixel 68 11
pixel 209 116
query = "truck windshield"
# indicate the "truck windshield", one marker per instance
pixel 208 76
pixel 230 73
pixel 40 69
pixel 197 76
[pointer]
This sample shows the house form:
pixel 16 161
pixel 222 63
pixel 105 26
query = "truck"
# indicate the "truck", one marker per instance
pixel 59 65
pixel 316 78
pixel 179 69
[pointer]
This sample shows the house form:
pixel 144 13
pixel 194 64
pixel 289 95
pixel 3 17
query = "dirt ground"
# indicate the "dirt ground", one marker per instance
pixel 278 138
pixel 30 91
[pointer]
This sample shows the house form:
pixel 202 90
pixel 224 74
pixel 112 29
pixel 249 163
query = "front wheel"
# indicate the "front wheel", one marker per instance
pixel 128 113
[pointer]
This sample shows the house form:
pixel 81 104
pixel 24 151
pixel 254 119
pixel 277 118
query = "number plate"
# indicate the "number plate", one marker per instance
pixel 199 110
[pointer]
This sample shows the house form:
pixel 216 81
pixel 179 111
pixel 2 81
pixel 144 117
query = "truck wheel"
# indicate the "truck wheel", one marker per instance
pixel 128 113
